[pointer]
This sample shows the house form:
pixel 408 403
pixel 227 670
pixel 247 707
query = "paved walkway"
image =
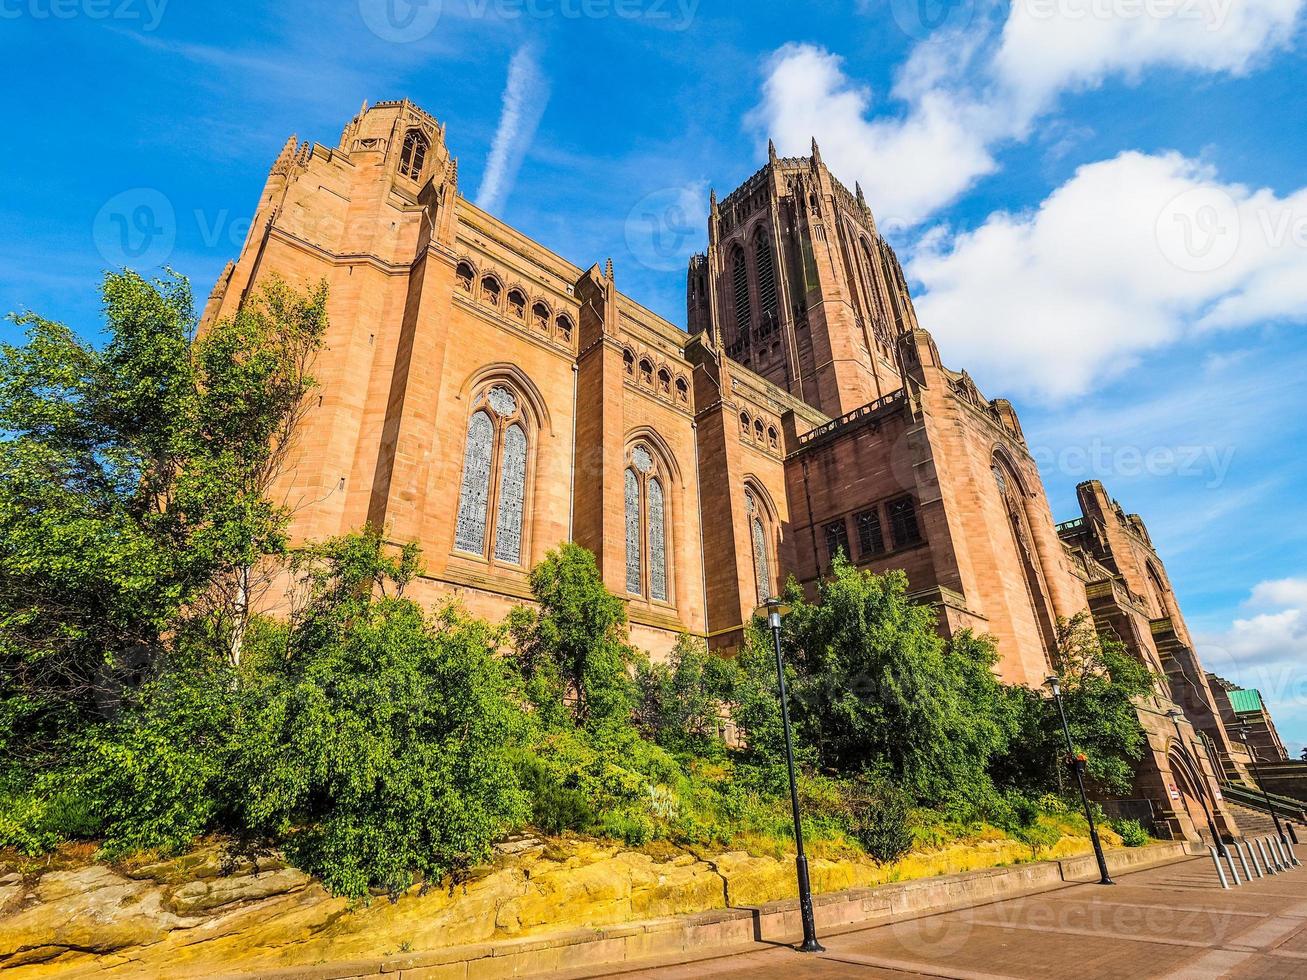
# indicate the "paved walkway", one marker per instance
pixel 1173 921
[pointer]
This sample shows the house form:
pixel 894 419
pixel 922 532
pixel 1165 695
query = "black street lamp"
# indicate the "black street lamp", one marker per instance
pixel 1078 764
pixel 1175 714
pixel 810 944
pixel 1257 774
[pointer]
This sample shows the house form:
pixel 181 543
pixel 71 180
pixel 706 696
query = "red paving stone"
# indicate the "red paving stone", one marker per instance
pixel 1173 922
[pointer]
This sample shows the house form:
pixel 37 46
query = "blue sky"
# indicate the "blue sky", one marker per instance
pixel 1102 204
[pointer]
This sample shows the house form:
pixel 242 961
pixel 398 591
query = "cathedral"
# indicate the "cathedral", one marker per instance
pixel 488 399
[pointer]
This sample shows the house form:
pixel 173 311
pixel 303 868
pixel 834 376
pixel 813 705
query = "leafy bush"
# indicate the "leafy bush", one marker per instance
pixel 1132 832
pixel 1100 682
pixel 872 680
pixel 383 750
pixel 877 817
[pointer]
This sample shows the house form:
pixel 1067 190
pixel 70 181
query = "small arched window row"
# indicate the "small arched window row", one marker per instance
pixel 642 370
pixel 759 431
pixel 492 493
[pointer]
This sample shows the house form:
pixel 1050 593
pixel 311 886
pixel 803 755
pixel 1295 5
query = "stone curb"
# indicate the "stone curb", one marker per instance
pixel 704 935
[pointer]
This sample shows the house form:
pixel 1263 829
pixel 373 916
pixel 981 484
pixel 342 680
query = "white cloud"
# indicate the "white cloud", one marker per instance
pixel 1048 46
pixel 1265 652
pixel 1280 593
pixel 1126 256
pixel 967 92
pixel 525 96
pixel 911 166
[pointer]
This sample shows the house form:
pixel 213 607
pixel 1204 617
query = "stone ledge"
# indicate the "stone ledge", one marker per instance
pixel 579 953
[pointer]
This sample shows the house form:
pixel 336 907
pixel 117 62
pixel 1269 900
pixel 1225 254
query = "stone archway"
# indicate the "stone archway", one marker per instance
pixel 1185 781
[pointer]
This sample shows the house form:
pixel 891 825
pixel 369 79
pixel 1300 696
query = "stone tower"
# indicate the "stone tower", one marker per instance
pixel 799 286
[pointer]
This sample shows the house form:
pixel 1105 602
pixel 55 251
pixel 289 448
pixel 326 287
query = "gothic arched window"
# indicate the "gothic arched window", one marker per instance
pixel 540 316
pixel 758 536
pixel 464 275
pixel 490 290
pixel 762 263
pixel 740 285
pixel 646 526
pixel 414 154
pixel 564 325
pixel 517 303
pixel 494 479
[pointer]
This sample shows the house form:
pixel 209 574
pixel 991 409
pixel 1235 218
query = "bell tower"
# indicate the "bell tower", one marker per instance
pixel 798 285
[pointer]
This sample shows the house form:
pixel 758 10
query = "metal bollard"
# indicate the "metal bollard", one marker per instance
pixel 1266 858
pixel 1247 875
pixel 1286 860
pixel 1220 872
pixel 1252 857
pixel 1234 872
pixel 1273 846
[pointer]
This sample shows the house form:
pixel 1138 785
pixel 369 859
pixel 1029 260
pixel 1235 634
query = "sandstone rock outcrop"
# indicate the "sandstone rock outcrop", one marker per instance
pixel 203 913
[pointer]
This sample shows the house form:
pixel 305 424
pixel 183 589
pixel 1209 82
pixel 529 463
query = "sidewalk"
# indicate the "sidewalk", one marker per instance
pixel 1168 922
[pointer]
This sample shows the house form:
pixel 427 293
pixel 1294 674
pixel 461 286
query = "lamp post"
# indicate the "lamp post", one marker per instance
pixel 1175 714
pixel 810 944
pixel 1257 774
pixel 1078 764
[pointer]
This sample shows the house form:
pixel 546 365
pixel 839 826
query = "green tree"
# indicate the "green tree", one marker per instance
pixel 681 702
pixel 874 688
pixel 1101 684
pixel 573 647
pixel 133 491
pixel 384 747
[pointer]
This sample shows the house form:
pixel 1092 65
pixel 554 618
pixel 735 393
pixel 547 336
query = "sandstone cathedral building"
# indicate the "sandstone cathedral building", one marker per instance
pixel 488 399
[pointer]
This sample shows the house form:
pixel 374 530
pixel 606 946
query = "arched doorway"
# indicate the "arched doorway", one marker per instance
pixel 1186 781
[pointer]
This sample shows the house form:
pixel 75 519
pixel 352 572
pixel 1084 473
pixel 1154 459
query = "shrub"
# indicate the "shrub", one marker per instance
pixel 876 816
pixel 384 748
pixel 1132 832
pixel 554 808
pixel 872 680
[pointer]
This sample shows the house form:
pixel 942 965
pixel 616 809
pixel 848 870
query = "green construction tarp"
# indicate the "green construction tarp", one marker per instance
pixel 1242 701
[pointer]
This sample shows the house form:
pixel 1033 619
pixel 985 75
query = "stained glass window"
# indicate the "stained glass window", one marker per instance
pixel 470 534
pixel 642 460
pixel 634 576
pixel 512 487
pixel 657 543
pixel 871 539
pixel 502 401
pixel 903 522
pixel 761 564
pixel 1000 478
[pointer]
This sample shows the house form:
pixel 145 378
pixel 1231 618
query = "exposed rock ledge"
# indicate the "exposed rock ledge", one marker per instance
pixel 197 914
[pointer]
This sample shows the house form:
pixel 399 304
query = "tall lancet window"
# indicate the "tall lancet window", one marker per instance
pixel 762 262
pixel 758 535
pixel 414 154
pixel 647 570
pixel 494 479
pixel 740 284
